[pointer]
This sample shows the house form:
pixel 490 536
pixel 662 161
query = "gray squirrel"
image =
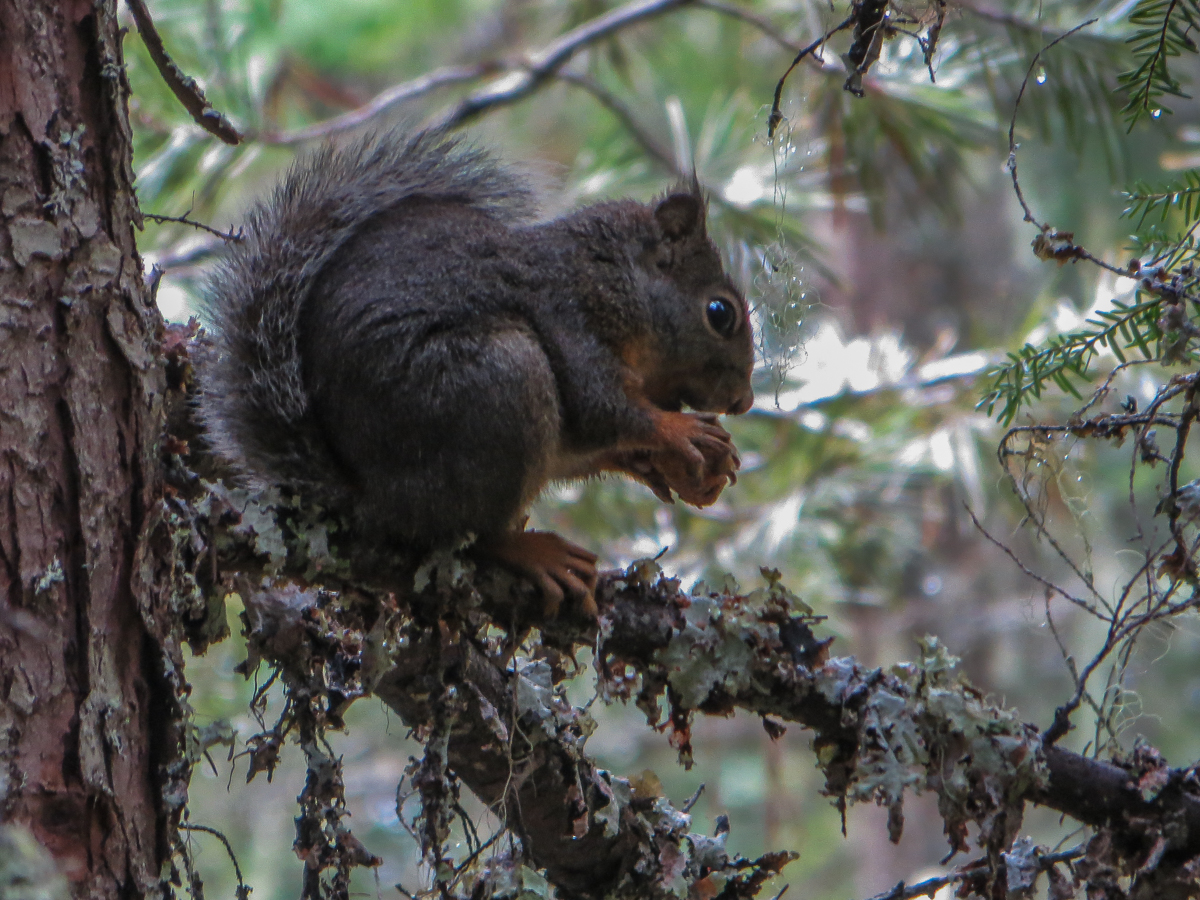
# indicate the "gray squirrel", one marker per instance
pixel 400 338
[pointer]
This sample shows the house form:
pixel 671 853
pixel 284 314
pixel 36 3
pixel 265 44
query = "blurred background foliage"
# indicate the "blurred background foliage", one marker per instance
pixel 885 253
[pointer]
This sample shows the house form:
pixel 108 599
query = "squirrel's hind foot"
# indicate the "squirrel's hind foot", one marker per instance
pixel 558 567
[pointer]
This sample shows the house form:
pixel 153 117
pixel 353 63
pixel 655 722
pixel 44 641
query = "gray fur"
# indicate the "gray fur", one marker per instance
pixel 256 407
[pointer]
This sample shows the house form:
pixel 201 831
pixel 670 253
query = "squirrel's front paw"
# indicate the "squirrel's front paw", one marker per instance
pixel 697 490
pixel 699 459
pixel 698 441
pixel 558 567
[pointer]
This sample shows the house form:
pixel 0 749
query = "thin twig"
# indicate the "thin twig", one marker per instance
pixel 1066 248
pixel 1125 621
pixel 383 101
pixel 226 236
pixel 543 64
pixel 1101 392
pixel 610 101
pixel 242 890
pixel 1186 418
pixel 930 886
pixel 183 86
pixel 776 116
pixel 176 257
pixel 1012 124
pixel 1103 425
pixel 1044 582
pixel 760 22
pixel 525 77
pixel 462 867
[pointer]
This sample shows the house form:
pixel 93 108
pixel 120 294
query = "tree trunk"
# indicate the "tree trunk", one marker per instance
pixel 90 685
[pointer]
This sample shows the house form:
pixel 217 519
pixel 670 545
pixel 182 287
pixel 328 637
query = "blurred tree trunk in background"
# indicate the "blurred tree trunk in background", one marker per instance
pixel 87 690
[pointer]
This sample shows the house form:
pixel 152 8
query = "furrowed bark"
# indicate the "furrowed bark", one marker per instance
pixel 89 674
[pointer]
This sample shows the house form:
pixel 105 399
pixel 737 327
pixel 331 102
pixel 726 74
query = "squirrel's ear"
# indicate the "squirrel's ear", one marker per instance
pixel 680 215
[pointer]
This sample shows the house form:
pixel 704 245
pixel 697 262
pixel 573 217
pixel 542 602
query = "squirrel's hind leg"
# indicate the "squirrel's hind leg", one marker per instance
pixel 455 439
pixel 462 443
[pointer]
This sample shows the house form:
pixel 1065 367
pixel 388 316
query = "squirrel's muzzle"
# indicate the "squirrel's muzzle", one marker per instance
pixel 742 404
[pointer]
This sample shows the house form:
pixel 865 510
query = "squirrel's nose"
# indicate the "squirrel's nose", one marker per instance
pixel 742 404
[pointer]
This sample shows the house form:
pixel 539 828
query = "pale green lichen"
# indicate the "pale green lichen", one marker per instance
pixel 703 656
pixel 52 575
pixel 619 794
pixel 535 694
pixel 715 648
pixel 986 759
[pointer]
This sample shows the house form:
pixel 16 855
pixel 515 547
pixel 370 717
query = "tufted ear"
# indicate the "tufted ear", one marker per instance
pixel 680 215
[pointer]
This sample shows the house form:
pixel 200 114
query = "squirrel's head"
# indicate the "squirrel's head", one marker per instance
pixel 704 351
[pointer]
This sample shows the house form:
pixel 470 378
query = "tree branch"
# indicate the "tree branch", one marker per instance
pixel 183 86
pixel 653 148
pixel 543 64
pixel 519 80
pixel 385 100
pixel 733 11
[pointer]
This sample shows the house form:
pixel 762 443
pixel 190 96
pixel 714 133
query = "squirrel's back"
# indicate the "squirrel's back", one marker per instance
pixel 255 403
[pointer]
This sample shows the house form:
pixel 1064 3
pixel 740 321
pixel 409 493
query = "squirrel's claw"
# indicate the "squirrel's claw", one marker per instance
pixel 640 466
pixel 558 567
pixel 699 458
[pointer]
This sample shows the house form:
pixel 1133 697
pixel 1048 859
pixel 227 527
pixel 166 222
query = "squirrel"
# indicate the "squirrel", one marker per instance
pixel 399 337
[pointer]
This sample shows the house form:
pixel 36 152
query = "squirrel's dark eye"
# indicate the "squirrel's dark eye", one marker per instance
pixel 722 316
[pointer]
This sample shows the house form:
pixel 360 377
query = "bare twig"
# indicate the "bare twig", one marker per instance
pixel 1101 392
pixel 1052 244
pixel 226 236
pixel 655 149
pixel 547 62
pixel 929 43
pixel 520 79
pixel 1129 615
pixel 1104 426
pixel 776 116
pixel 931 886
pixel 194 253
pixel 183 86
pixel 384 101
pixel 1186 418
pixel 462 867
pixel 1044 582
pixel 1012 125
pixel 242 890
pixel 760 22
pixel 692 800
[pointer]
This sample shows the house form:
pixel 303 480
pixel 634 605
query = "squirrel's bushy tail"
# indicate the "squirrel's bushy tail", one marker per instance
pixel 254 404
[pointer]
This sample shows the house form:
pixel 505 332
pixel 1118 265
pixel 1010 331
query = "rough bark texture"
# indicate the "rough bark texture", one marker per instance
pixel 89 686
